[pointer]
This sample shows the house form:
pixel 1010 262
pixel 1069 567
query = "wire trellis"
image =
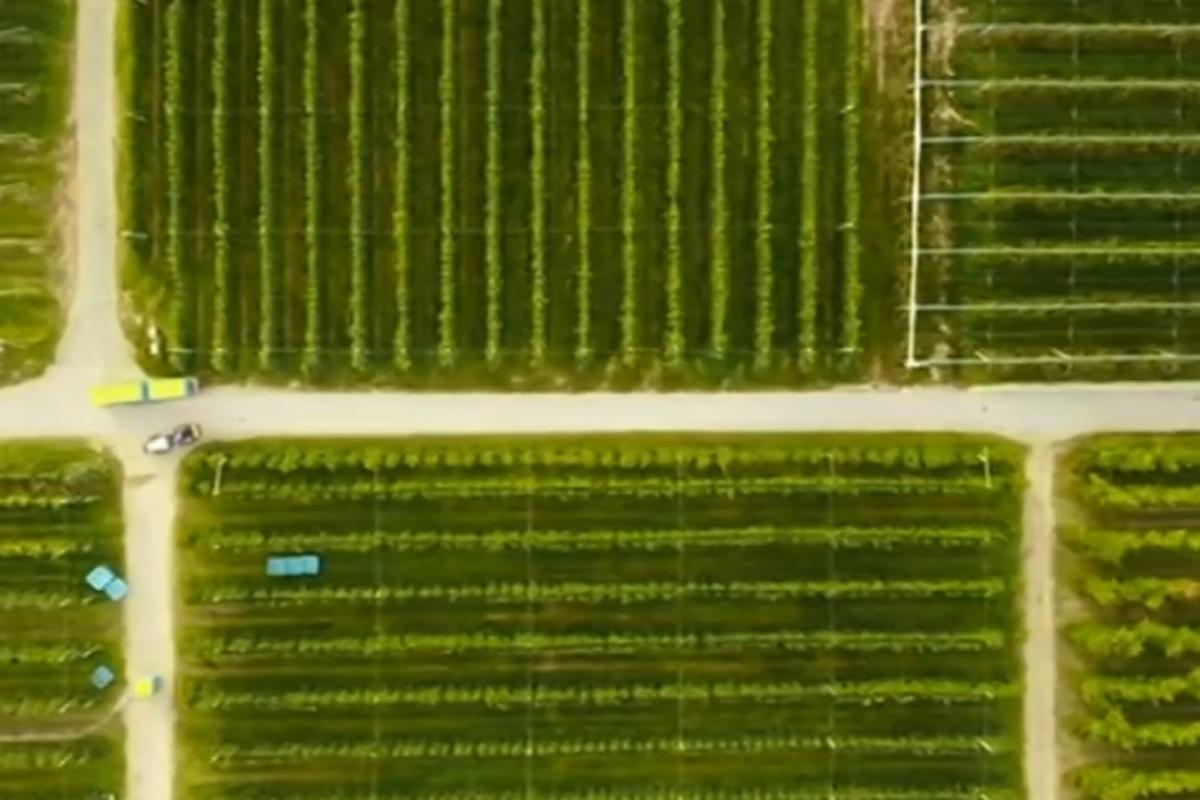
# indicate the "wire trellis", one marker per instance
pixel 1066 136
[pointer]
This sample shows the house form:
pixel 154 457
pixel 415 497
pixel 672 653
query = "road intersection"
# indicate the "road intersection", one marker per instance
pixel 93 349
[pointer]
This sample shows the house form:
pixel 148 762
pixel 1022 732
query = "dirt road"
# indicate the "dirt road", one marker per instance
pixel 93 344
pixel 93 349
pixel 149 508
pixel 1042 773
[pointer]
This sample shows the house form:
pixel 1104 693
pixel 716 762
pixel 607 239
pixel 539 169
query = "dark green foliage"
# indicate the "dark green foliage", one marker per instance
pixel 1059 175
pixel 558 195
pixel 35 58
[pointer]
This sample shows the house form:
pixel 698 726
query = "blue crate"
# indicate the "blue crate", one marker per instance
pixel 116 589
pixel 293 566
pixel 100 577
pixel 102 677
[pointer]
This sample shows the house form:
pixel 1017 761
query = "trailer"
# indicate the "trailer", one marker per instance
pixel 154 390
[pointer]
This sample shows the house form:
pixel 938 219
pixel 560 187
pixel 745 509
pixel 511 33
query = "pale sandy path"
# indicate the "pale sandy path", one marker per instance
pixel 93 344
pixel 149 508
pixel 43 408
pixel 1042 773
pixel 93 349
pixel 71 733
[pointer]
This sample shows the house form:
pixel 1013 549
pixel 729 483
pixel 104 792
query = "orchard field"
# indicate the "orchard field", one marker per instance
pixel 495 193
pixel 1058 210
pixel 1134 538
pixel 59 517
pixel 633 618
pixel 35 58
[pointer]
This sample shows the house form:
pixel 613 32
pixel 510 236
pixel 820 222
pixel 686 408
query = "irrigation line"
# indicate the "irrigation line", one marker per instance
pixel 377 534
pixel 1112 250
pixel 680 608
pixel 1060 27
pixel 915 211
pixel 1166 84
pixel 1133 305
pixel 30 244
pixel 1072 196
pixel 1129 139
pixel 26 291
pixel 456 229
pixel 70 735
pixel 1060 357
pixel 698 353
pixel 831 620
pixel 421 110
pixel 530 627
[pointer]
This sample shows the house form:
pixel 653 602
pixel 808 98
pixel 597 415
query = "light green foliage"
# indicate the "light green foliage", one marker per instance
pixel 537 175
pixel 484 600
pixel 221 195
pixel 267 210
pixel 359 351
pixel 719 203
pixel 400 217
pixel 447 248
pixel 764 319
pixel 674 343
pixel 177 312
pixel 583 182
pixel 851 330
pixel 1140 646
pixel 629 182
pixel 313 328
pixel 810 178
pixel 1126 784
pixel 493 232
pixel 56 629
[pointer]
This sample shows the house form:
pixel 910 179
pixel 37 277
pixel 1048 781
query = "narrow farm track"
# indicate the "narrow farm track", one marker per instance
pixel 148 504
pixel 70 734
pixel 93 349
pixel 1037 556
pixel 93 338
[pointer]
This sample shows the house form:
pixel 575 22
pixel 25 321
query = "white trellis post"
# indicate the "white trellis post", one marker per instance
pixel 915 210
